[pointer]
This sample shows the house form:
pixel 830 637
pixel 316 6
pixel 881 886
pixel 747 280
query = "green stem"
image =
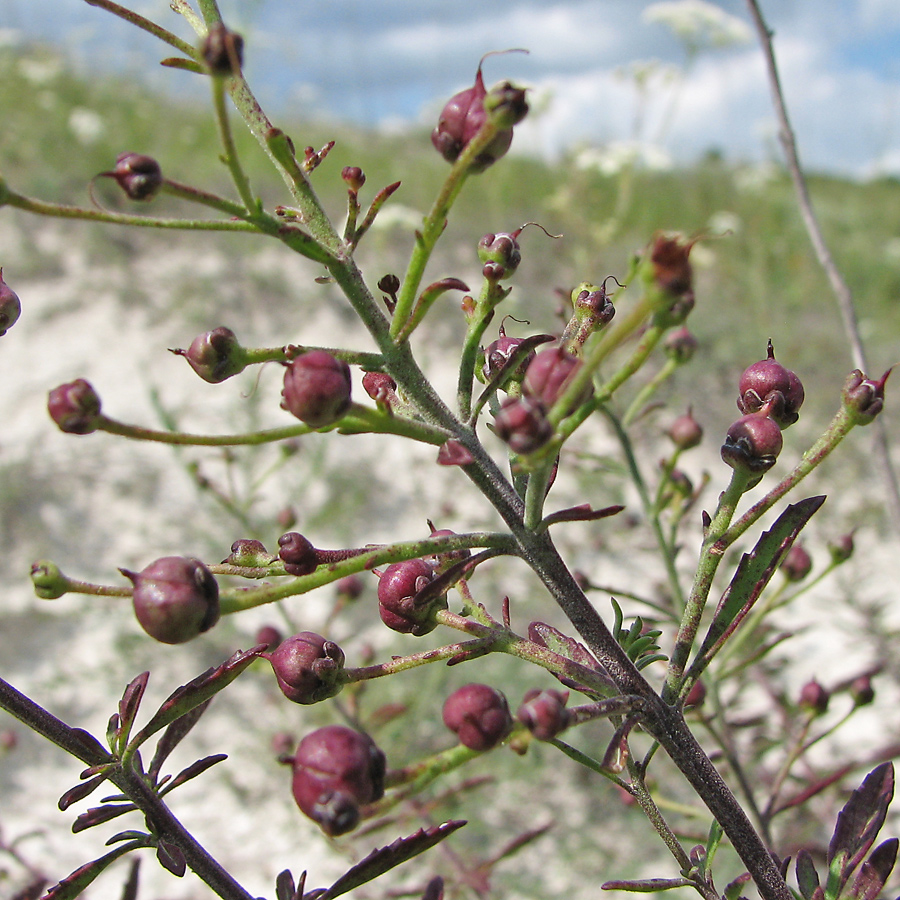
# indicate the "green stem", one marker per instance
pixel 435 222
pixel 648 390
pixel 230 156
pixel 710 557
pixel 146 25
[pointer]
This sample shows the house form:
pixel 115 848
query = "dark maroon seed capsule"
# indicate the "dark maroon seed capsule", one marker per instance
pixel 397 589
pixel 10 306
pixel 297 553
pixel 175 598
pixel 248 552
pixel 768 381
pixel 752 443
pixel 316 388
pixel 75 407
pixel 478 715
pixel 681 345
pixel 337 770
pixel 350 587
pixel 306 666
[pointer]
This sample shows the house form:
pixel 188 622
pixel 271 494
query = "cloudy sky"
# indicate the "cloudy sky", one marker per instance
pixel 600 71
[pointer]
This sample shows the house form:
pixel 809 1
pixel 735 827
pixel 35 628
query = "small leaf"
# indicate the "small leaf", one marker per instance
pixel 547 636
pixel 859 822
pixel 616 757
pixel 284 886
pixel 582 513
pixel 193 770
pixel 733 889
pixel 72 885
pixel 178 62
pixel 130 888
pixel 875 871
pixel 647 885
pixel 191 695
pixel 807 876
pixel 97 815
pixel 171 858
pixel 753 573
pixel 130 703
pixel 173 735
pixel 80 791
pixel 130 835
pixel 385 858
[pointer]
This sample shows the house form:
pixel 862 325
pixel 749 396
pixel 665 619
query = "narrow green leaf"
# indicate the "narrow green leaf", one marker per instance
pixel 753 574
pixel 647 885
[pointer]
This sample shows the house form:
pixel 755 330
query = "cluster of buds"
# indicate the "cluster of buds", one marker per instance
pixel 522 421
pixel 770 396
pixel 500 254
pixel 337 770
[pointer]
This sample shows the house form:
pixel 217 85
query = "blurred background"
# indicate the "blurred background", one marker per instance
pixel 645 117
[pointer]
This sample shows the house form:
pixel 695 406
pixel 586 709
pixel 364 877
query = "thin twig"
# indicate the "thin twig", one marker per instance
pixel 838 284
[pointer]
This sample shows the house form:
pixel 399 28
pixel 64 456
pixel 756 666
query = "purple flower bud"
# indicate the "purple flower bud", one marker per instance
pixel 466 112
pixel 350 587
pixel 861 690
pixel 75 407
pixel 502 249
pixel 814 697
pixel 753 443
pixel 862 397
pixel 248 552
pixel 842 549
pixel 522 423
pixel 306 666
pixel 796 564
pixel 500 352
pixel 544 713
pixel 381 388
pixel 222 50
pixel 769 382
pixel 671 265
pixel 685 432
pixel 478 715
pixel 337 770
pixel 397 604
pixel 354 177
pixel 270 636
pixel 215 355
pixel 316 388
pixel 175 598
pixel 139 176
pixel 695 696
pixel 680 345
pixel 298 554
pixel 549 374
pixel 10 306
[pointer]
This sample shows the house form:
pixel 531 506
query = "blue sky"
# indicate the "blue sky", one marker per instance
pixel 388 63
